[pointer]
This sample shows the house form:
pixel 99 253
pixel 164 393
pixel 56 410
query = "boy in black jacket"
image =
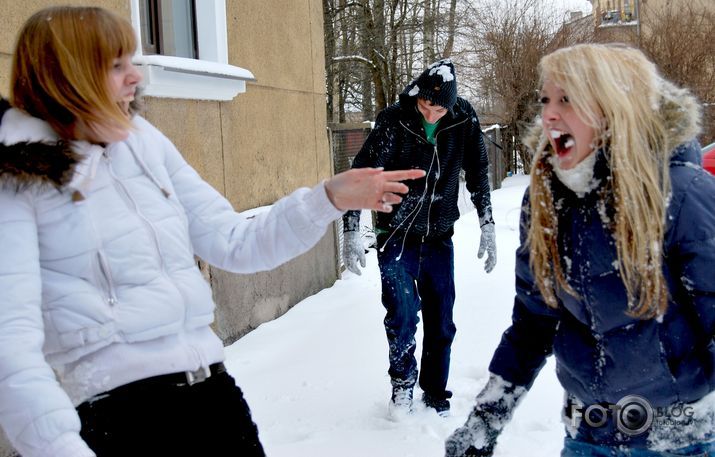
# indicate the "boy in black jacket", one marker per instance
pixel 433 129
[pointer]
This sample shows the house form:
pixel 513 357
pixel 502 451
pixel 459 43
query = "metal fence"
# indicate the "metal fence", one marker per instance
pixel 497 163
pixel 345 142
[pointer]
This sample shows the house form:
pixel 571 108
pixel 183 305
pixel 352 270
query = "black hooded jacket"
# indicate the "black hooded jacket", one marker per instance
pixel 398 141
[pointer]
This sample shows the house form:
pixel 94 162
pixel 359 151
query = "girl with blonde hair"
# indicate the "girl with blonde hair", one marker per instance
pixel 106 346
pixel 615 274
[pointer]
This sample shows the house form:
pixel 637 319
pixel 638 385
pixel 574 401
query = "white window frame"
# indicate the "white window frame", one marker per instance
pixel 208 78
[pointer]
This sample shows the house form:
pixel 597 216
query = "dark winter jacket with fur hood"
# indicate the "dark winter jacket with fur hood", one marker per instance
pixel 602 353
pixel 398 141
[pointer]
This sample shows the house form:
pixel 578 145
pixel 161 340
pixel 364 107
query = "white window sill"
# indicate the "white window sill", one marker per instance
pixel 178 77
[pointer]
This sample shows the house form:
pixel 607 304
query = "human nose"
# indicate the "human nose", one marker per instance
pixel 550 113
pixel 134 76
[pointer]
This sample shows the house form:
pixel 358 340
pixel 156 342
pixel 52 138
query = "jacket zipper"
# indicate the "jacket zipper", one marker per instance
pixel 437 176
pixel 122 190
pixel 107 278
pixel 439 172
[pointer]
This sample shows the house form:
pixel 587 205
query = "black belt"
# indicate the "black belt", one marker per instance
pixel 183 378
pixel 180 379
pixel 189 378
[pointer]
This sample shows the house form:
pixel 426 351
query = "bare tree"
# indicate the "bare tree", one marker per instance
pixel 374 46
pixel 681 42
pixel 508 40
pixel 428 27
pixel 451 29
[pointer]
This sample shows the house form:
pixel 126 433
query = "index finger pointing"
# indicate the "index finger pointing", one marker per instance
pixel 399 175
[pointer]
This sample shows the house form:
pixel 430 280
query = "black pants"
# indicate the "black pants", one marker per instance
pixel 158 418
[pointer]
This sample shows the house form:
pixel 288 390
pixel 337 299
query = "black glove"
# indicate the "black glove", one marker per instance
pixel 494 407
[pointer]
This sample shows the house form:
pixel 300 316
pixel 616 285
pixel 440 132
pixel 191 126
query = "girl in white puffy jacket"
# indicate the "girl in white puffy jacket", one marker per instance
pixel 105 344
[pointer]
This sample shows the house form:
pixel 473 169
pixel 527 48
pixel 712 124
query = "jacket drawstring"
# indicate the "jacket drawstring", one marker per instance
pixel 148 172
pixel 416 210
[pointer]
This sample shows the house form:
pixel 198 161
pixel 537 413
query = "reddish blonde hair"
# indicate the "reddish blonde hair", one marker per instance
pixel 61 64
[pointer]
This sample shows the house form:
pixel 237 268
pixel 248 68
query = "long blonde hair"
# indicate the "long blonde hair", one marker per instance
pixel 61 63
pixel 639 118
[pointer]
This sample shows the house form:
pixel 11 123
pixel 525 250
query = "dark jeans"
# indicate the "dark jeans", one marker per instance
pixel 210 418
pixel 575 448
pixel 422 277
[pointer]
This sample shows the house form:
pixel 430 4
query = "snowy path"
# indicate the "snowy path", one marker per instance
pixel 316 378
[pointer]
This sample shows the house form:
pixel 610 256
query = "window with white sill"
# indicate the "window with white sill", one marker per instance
pixel 183 50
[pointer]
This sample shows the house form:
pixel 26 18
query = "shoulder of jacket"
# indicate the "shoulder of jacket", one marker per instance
pixel 31 152
pixel 463 109
pixel 392 112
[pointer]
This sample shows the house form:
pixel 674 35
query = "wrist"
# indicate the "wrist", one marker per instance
pixel 329 192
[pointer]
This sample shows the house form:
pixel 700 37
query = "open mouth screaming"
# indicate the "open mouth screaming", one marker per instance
pixel 562 141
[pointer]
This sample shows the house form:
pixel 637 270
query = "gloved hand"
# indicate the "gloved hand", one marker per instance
pixel 476 438
pixel 494 407
pixel 353 251
pixel 488 242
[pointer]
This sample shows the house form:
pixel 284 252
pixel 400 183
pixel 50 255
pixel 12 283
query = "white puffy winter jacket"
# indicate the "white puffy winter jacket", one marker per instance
pixel 97 247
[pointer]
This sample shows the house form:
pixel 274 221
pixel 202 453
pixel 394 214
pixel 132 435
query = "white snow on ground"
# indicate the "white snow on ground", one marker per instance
pixel 316 378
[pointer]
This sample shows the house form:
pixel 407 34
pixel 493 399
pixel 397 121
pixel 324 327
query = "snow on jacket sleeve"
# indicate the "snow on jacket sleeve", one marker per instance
pixel 691 252
pixel 476 167
pixel 376 144
pixel 233 242
pixel 527 343
pixel 35 412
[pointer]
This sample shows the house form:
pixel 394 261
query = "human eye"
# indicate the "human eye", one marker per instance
pixel 565 99
pixel 543 100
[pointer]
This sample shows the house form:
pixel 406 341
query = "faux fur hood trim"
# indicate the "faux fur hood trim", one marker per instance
pixel 679 110
pixel 32 153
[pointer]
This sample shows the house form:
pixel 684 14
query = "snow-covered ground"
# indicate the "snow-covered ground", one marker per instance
pixel 316 378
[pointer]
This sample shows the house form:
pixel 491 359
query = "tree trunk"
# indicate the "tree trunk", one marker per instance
pixel 451 29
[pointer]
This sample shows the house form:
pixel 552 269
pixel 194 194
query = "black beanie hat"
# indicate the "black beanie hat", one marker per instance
pixel 438 84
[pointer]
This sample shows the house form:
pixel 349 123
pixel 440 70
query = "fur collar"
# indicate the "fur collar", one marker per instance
pixel 30 152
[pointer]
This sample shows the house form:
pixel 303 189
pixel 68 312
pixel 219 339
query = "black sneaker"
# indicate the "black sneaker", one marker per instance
pixel 439 403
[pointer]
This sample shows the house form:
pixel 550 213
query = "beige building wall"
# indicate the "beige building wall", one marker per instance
pixel 254 149
pixel 642 6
